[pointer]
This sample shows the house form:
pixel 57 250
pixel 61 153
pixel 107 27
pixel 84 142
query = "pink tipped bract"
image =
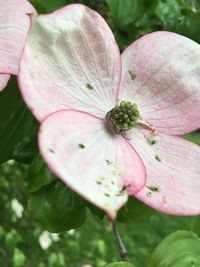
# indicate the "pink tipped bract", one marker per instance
pixel 72 74
pixel 14 26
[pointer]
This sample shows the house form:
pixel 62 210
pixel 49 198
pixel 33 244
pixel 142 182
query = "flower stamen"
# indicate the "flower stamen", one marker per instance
pixel 148 126
pixel 123 116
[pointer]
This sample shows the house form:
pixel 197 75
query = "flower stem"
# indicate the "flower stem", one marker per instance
pixel 122 248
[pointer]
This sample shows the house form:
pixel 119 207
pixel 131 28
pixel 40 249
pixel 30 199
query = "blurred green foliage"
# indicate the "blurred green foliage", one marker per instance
pixel 125 12
pixel 60 208
pixel 120 264
pixel 92 243
pixel 180 16
pixel 28 180
pixel 181 248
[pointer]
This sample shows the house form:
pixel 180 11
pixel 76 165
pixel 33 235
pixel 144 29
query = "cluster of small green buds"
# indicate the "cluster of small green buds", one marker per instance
pixel 123 116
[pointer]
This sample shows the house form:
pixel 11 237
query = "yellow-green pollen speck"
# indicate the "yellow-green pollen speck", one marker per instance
pixel 123 116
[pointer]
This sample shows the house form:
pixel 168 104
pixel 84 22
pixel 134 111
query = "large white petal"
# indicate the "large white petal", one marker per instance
pixel 90 160
pixel 161 73
pixel 71 60
pixel 173 172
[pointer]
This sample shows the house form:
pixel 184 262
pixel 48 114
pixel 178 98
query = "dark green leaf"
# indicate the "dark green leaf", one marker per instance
pixel 39 174
pixel 193 137
pixel 25 150
pixel 169 12
pixel 10 101
pixel 56 207
pixel 181 248
pixel 20 125
pixel 134 212
pixel 193 5
pixel 195 226
pixel 95 211
pixel 125 12
pixel 189 27
pixel 47 6
pixel 180 17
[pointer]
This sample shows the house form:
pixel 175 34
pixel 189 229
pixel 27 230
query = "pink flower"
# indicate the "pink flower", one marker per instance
pixel 72 77
pixel 14 26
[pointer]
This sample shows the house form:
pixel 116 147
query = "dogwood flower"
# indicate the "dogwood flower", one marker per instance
pixel 109 123
pixel 14 26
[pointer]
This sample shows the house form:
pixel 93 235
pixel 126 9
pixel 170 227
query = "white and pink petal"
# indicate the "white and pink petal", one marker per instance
pixel 14 27
pixel 161 73
pixel 173 172
pixel 100 167
pixel 71 60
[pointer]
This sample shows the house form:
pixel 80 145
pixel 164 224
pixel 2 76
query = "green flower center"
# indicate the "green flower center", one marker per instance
pixel 123 116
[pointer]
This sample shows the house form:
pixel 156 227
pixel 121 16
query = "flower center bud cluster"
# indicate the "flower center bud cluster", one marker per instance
pixel 123 116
